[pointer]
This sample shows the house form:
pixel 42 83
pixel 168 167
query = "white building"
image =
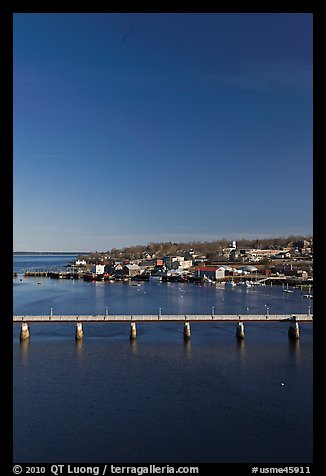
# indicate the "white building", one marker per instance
pixel 185 264
pixel 80 262
pixel 98 268
pixel 211 272
pixel 173 262
pixel 220 272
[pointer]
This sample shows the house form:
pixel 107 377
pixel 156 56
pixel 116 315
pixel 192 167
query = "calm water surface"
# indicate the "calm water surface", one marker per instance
pixel 159 399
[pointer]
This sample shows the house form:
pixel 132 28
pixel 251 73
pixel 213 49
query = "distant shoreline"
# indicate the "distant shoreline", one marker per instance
pixel 46 253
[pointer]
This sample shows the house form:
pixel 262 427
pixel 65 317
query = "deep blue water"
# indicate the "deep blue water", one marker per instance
pixel 159 399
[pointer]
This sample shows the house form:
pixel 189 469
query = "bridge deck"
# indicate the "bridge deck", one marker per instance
pixel 165 318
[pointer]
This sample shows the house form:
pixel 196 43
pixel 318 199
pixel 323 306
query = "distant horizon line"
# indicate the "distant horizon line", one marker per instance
pixel 51 252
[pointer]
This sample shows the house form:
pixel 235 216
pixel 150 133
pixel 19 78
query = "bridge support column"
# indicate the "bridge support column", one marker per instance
pixel 133 330
pixel 24 331
pixel 240 333
pixel 186 331
pixel 79 331
pixel 294 330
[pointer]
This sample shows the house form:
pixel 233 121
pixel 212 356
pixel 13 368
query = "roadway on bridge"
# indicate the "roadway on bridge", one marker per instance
pixel 165 318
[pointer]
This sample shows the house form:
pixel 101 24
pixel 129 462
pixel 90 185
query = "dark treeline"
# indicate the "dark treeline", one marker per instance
pixel 212 248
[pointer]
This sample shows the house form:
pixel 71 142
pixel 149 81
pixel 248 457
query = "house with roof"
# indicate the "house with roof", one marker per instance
pixel 98 268
pixel 131 270
pixel 210 272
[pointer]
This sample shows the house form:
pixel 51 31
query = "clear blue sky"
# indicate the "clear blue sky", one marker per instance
pixel 131 128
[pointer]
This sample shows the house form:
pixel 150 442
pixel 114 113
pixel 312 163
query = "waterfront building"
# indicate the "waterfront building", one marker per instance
pixel 131 270
pixel 210 272
pixel 80 262
pixel 98 268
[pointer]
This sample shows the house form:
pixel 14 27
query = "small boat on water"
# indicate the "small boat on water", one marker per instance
pixel 173 279
pixel 309 296
pixel 208 280
pixel 244 284
pixel 195 279
pixel 89 277
pixel 140 277
pixel 230 283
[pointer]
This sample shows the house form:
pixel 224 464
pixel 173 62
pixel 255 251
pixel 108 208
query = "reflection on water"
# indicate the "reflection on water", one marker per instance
pixel 294 348
pixel 133 346
pixel 187 347
pixel 79 348
pixel 240 345
pixel 24 349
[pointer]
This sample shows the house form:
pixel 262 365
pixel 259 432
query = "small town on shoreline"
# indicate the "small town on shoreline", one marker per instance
pixel 287 263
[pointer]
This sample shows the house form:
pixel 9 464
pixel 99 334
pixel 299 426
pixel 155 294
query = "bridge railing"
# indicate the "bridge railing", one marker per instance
pixel 161 317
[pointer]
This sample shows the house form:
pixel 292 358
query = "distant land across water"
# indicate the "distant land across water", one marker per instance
pixel 51 252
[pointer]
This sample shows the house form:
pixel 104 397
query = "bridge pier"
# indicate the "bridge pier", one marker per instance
pixel 79 331
pixel 240 330
pixel 24 331
pixel 186 331
pixel 294 330
pixel 133 330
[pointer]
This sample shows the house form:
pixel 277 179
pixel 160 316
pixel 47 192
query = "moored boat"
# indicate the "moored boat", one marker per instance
pixel 230 283
pixel 244 284
pixel 89 277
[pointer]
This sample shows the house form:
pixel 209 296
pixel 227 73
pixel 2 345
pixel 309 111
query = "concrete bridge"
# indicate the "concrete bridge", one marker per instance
pixel 133 319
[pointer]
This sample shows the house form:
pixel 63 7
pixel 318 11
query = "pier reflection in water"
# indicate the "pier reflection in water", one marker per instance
pixel 79 349
pixel 240 345
pixel 133 346
pixel 24 349
pixel 294 345
pixel 187 348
